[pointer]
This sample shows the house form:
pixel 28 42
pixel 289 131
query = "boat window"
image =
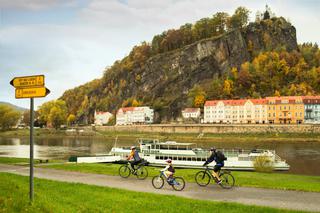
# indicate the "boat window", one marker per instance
pixel 182 148
pixel 188 159
pixel 199 159
pixel 164 147
pixel 175 158
pixel 157 157
pixel 184 158
pixel 179 158
pixel 194 159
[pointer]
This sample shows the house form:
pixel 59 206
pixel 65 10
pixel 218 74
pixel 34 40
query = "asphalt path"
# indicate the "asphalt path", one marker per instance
pixel 286 199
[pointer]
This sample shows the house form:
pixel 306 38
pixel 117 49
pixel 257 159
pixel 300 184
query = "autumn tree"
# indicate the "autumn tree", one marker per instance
pixel 53 112
pixel 9 117
pixel 197 96
pixel 71 119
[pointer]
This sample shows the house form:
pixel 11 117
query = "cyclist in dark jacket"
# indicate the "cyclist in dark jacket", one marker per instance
pixel 219 158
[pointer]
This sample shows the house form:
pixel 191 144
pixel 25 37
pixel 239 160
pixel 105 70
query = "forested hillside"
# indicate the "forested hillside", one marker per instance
pixel 218 57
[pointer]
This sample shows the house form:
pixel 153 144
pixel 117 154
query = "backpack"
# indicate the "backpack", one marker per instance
pixel 221 156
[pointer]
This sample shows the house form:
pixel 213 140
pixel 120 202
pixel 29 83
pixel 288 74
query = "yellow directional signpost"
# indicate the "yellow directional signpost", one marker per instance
pixel 30 87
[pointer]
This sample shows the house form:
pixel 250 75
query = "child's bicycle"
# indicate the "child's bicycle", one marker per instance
pixel 203 178
pixel 141 171
pixel 177 183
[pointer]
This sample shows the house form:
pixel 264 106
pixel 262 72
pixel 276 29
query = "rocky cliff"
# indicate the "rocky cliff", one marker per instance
pixel 163 80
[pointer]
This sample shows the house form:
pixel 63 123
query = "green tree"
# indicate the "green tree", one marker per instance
pixel 240 18
pixel 53 112
pixel 57 116
pixel 8 117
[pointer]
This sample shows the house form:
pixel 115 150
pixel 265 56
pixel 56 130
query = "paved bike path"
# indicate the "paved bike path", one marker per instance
pixel 308 201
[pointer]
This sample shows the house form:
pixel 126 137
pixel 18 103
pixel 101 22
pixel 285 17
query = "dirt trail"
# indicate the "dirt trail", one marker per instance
pixel 297 200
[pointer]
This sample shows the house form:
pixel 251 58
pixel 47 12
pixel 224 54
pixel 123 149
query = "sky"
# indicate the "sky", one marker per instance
pixel 71 42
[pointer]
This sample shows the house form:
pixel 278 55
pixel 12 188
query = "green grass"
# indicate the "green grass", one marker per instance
pixel 53 196
pixel 23 161
pixel 248 179
pixel 9 160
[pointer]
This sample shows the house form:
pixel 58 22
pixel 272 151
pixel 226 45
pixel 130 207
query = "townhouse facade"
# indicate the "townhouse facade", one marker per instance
pixel 285 110
pixel 235 111
pixel 311 109
pixel 272 110
pixel 134 115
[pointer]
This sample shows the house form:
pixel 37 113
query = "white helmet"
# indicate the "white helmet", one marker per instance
pixel 133 147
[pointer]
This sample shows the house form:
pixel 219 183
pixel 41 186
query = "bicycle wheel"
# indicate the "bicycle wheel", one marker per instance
pixel 142 173
pixel 227 180
pixel 178 184
pixel 202 178
pixel 124 171
pixel 157 182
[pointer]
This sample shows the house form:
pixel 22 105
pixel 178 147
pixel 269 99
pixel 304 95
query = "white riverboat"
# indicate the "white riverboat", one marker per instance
pixel 187 155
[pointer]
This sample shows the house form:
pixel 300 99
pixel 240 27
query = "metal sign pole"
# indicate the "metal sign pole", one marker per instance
pixel 31 149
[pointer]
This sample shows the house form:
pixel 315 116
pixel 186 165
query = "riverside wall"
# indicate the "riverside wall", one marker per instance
pixel 214 128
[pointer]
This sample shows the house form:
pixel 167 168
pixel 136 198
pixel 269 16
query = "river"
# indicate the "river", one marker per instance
pixel 303 157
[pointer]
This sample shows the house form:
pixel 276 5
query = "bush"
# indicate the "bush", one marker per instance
pixel 263 164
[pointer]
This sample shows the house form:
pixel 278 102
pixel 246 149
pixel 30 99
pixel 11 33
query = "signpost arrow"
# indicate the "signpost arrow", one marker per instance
pixel 33 92
pixel 28 81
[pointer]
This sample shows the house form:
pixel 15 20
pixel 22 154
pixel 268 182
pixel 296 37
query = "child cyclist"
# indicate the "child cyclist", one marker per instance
pixel 168 171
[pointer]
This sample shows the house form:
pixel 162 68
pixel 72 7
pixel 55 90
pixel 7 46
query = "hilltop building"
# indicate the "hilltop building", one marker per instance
pixel 101 118
pixel 285 110
pixel 191 113
pixel 311 109
pixel 134 115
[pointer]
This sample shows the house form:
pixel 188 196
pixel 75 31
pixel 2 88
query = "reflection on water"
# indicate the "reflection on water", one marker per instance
pixel 303 157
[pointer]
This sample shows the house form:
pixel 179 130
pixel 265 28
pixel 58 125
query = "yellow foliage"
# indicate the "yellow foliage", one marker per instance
pixel 199 101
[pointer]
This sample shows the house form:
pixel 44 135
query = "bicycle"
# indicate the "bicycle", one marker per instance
pixel 141 171
pixel 177 183
pixel 203 178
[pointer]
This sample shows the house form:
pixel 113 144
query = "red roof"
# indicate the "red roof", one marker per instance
pixel 226 102
pixel 311 99
pixel 126 109
pixel 258 101
pixel 191 110
pixel 211 103
pixel 290 99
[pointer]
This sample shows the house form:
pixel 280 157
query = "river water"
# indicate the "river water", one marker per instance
pixel 303 157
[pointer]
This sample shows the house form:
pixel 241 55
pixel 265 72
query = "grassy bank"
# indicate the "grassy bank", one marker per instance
pixel 248 179
pixel 209 137
pixel 53 196
pixel 24 161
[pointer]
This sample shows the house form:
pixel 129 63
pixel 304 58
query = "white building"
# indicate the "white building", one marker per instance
pixel 235 111
pixel 191 113
pixel 134 115
pixel 101 118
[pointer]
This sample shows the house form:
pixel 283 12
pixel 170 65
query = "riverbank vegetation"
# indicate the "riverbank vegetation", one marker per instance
pixel 53 196
pixel 181 137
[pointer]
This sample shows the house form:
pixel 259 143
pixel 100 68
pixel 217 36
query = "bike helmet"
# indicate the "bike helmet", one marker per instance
pixel 168 160
pixel 213 149
pixel 133 147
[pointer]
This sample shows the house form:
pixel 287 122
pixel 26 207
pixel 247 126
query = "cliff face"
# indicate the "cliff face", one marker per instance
pixel 166 78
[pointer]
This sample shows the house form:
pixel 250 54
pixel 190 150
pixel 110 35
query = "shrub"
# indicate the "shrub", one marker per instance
pixel 263 164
